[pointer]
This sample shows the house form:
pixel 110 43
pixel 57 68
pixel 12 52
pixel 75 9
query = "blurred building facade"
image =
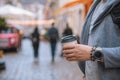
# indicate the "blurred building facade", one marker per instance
pixel 44 10
pixel 74 16
pixel 35 6
pixel 49 9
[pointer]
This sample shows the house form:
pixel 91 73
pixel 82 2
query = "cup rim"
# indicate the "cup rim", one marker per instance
pixel 68 38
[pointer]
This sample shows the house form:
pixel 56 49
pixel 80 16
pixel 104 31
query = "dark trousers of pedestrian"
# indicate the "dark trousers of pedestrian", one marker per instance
pixel 53 49
pixel 36 47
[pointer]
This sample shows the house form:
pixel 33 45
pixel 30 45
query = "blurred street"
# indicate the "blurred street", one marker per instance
pixel 23 23
pixel 21 65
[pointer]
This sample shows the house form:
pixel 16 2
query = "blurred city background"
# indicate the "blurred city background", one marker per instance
pixel 19 18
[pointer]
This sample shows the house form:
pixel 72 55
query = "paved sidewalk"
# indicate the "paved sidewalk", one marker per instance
pixel 21 65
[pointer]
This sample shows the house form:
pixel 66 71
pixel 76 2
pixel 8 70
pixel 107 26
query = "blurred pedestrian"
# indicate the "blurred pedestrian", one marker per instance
pixel 100 42
pixel 35 41
pixel 53 37
pixel 67 31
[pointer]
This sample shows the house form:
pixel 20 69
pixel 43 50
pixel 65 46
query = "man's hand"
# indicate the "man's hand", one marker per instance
pixel 76 52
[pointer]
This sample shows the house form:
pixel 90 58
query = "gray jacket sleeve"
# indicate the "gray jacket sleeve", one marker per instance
pixel 111 57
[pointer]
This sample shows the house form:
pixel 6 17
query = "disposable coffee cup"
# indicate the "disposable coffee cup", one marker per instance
pixel 70 39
